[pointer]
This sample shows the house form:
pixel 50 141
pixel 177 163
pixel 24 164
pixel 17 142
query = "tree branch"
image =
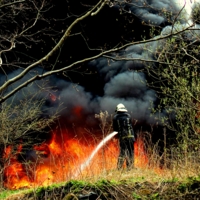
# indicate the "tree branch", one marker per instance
pixel 56 47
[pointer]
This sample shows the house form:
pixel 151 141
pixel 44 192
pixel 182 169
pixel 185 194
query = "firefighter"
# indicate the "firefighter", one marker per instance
pixel 122 124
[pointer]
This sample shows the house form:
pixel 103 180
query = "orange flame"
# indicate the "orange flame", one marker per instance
pixel 57 160
pixel 141 159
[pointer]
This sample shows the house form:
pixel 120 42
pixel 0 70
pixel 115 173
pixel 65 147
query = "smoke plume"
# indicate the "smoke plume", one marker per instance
pixel 120 81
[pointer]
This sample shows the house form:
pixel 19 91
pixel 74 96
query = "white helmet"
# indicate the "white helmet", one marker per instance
pixel 121 107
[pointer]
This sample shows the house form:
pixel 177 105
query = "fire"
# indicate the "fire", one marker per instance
pixel 54 146
pixel 78 111
pixel 7 152
pixel 58 159
pixel 139 154
pixel 13 174
pixel 14 171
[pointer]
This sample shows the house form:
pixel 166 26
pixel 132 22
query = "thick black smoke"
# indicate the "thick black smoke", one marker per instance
pixel 115 81
pixel 157 12
pixel 124 81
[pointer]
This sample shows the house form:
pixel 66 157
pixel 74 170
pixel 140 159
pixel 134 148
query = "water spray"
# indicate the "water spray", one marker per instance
pixel 87 162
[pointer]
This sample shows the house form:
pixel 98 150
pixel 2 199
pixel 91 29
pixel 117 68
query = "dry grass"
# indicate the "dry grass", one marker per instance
pixel 140 183
pixel 143 182
pixel 150 174
pixel 153 172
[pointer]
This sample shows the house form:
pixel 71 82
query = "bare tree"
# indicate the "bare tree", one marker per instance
pixel 23 125
pixel 27 31
pixel 175 77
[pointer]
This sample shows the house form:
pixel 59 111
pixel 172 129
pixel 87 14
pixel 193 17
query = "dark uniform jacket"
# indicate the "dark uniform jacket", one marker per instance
pixel 122 124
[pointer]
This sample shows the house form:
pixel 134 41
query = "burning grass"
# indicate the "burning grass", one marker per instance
pixel 63 157
pixel 52 175
pixel 57 169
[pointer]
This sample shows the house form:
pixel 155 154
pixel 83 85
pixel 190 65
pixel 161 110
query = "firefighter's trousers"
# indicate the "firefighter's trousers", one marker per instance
pixel 126 153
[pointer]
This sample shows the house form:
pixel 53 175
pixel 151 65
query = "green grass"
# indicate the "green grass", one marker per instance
pixel 128 186
pixel 6 193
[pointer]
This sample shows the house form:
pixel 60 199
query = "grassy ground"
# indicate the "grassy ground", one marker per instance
pixel 140 183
